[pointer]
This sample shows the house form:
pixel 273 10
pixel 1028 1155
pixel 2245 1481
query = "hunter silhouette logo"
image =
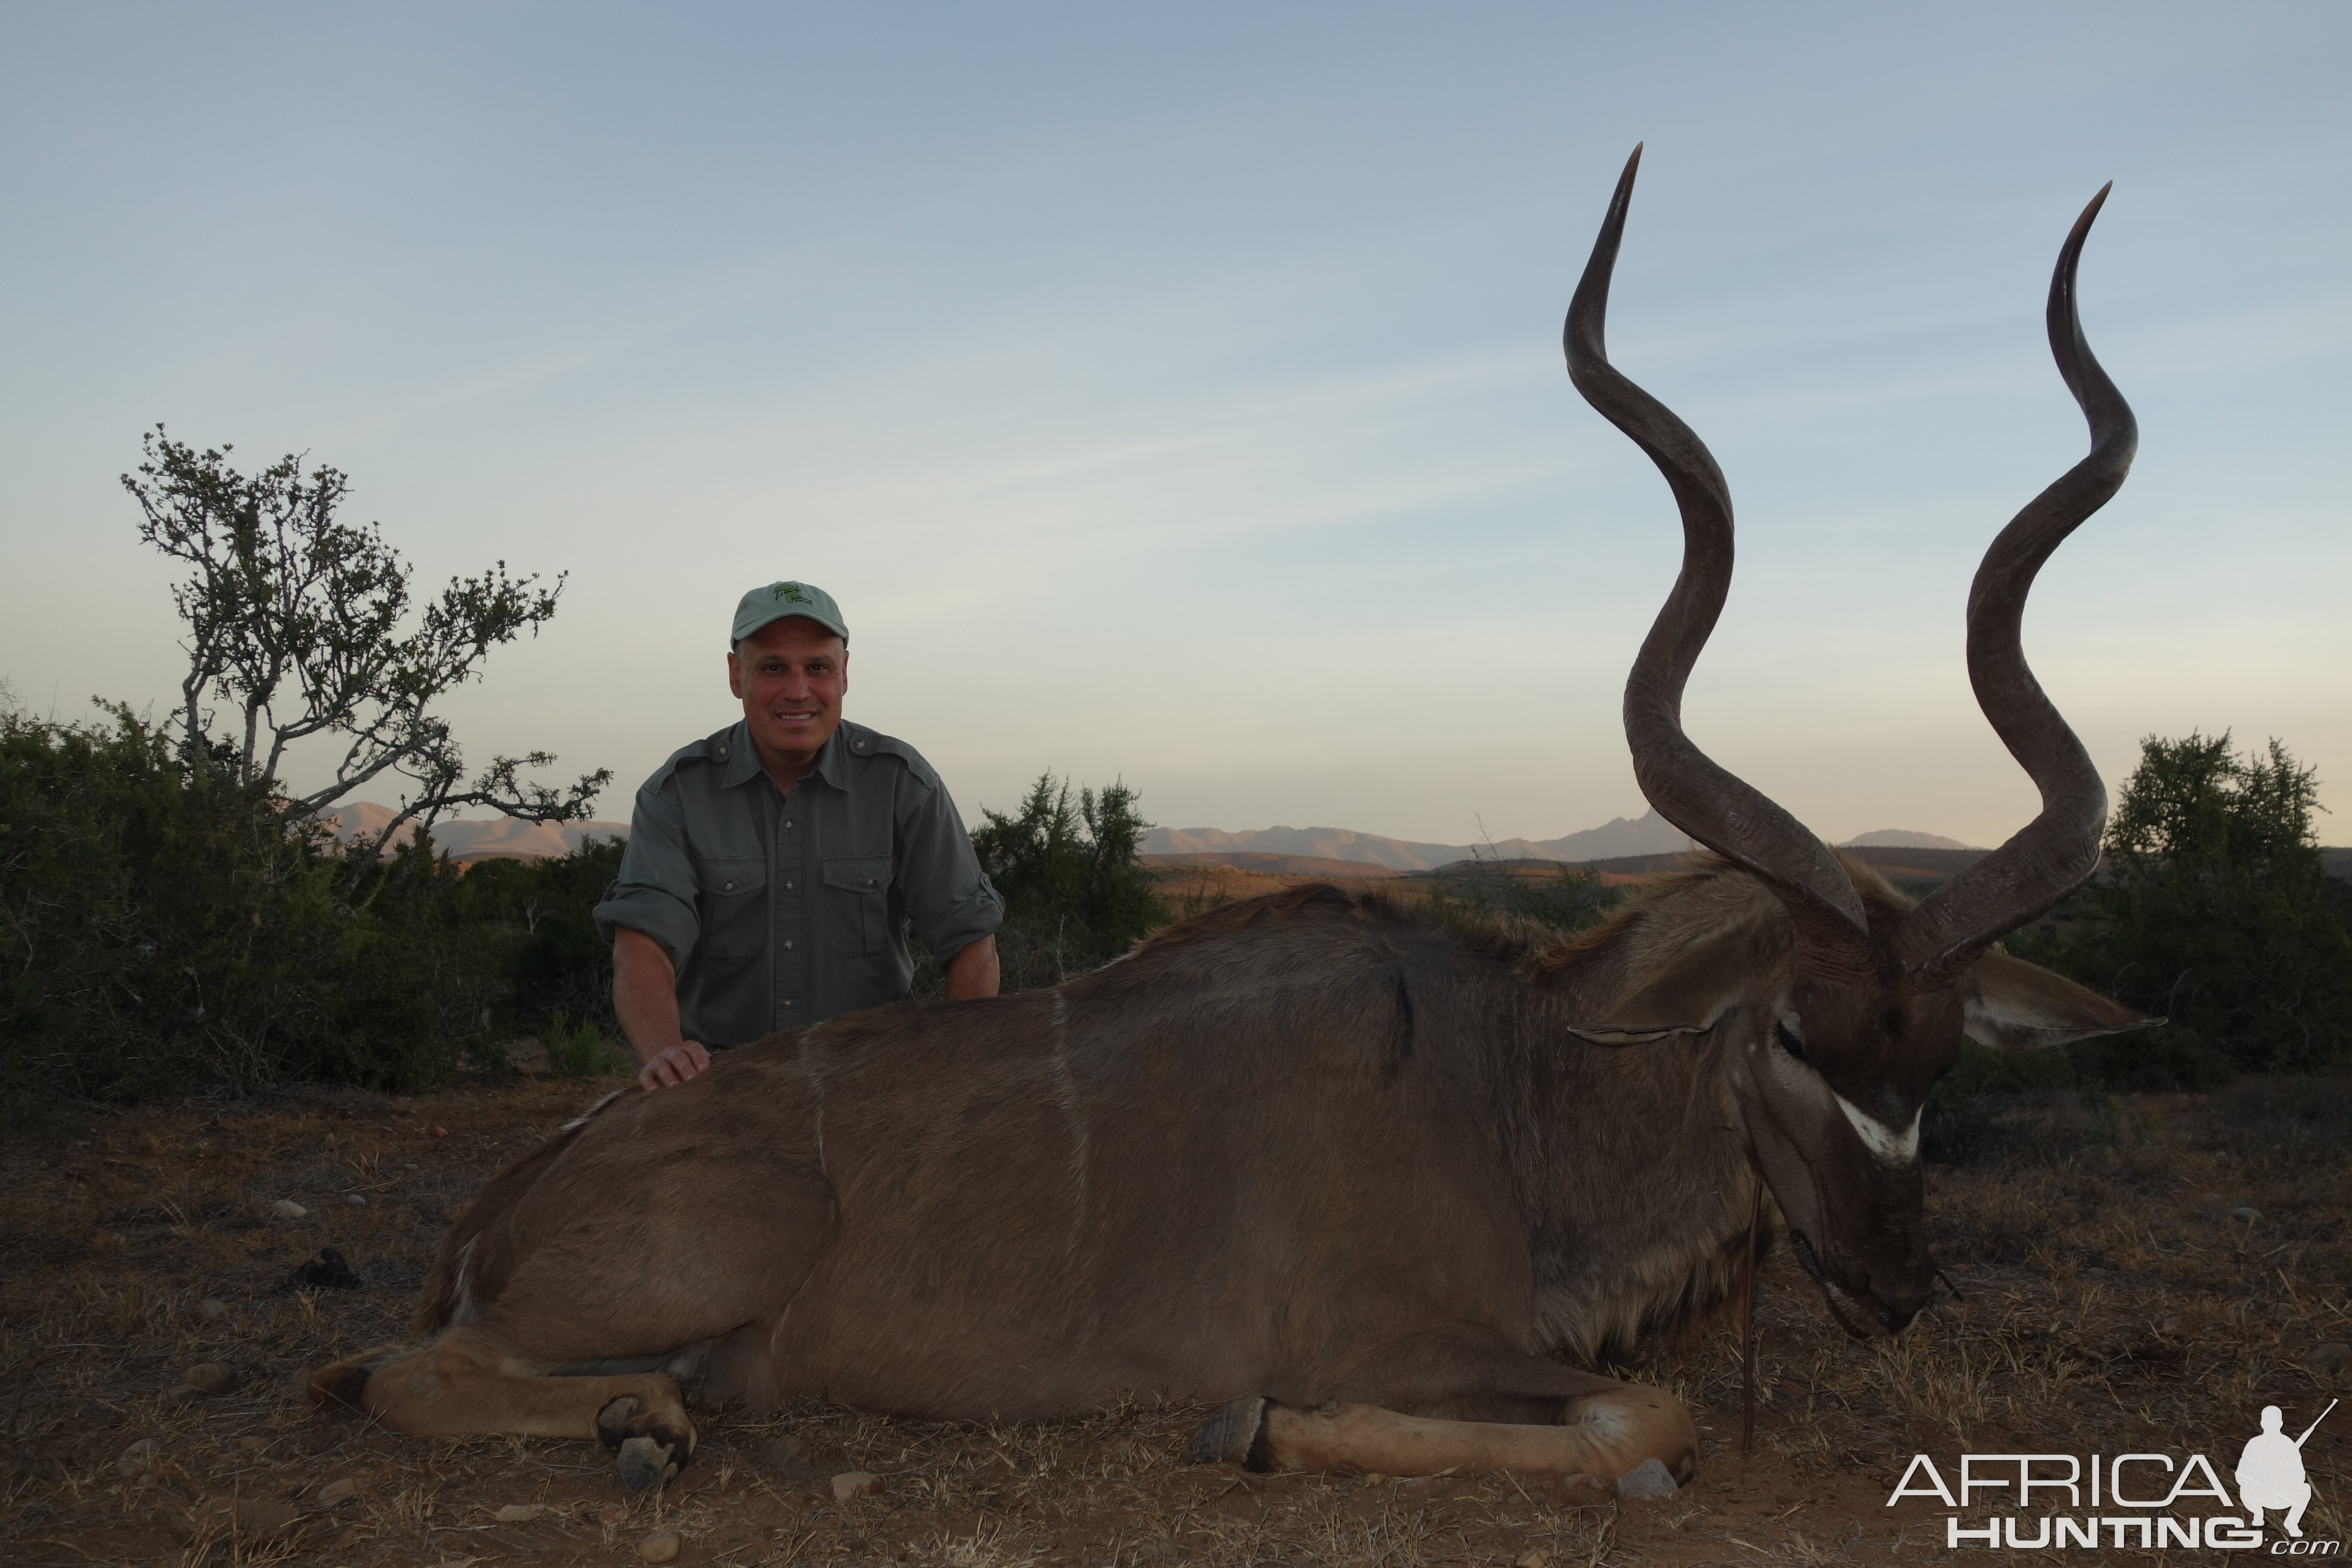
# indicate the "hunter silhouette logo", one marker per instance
pixel 2269 1472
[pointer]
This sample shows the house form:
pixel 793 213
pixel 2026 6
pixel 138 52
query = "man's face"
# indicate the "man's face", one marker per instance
pixel 790 675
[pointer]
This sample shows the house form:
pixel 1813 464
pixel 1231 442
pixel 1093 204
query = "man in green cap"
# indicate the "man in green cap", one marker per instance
pixel 772 867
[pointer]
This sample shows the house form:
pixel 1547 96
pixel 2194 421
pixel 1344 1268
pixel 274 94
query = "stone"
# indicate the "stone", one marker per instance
pixel 335 1491
pixel 287 1208
pixel 138 1459
pixel 1648 1481
pixel 355 1200
pixel 2245 1213
pixel 212 1311
pixel 661 1546
pixel 523 1514
pixel 210 1377
pixel 248 1519
pixel 856 1483
pixel 2329 1357
pixel 1536 1557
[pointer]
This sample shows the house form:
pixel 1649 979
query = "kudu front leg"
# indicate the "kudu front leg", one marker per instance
pixel 1605 1437
pixel 1598 1427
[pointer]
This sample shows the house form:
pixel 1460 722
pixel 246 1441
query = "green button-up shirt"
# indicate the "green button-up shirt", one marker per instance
pixel 780 911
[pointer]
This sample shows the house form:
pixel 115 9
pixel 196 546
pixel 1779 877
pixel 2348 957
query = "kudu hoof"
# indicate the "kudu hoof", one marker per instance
pixel 649 1450
pixel 1235 1435
pixel 644 1463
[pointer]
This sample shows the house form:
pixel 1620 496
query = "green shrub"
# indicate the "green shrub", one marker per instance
pixel 2216 910
pixel 1564 898
pixel 582 1052
pixel 162 930
pixel 1076 895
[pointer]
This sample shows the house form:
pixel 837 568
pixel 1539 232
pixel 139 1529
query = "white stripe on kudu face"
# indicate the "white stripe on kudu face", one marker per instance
pixel 1892 1147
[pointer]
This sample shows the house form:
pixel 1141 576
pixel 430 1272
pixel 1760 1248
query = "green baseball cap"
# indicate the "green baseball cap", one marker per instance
pixel 774 601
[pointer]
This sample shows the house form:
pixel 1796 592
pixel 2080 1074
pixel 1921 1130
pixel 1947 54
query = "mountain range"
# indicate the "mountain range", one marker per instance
pixel 1618 838
pixel 510 838
pixel 1903 839
pixel 500 838
pixel 1649 834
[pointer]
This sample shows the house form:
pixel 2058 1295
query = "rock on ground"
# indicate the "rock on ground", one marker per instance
pixel 1647 1481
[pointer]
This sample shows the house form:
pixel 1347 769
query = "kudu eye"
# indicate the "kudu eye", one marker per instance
pixel 1788 1040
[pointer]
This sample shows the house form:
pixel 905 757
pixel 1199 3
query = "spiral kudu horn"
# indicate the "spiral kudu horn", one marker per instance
pixel 2058 851
pixel 1713 805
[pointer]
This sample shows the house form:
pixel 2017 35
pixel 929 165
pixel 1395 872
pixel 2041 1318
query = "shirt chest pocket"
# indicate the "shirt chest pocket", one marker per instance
pixel 857 894
pixel 731 903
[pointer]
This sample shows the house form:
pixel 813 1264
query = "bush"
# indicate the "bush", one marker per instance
pixel 1563 897
pixel 163 932
pixel 164 929
pixel 1076 895
pixel 582 1052
pixel 2215 909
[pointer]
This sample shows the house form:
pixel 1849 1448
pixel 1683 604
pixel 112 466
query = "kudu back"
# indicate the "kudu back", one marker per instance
pixel 1353 1171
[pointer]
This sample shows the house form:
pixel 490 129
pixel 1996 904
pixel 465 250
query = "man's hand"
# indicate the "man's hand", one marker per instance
pixel 673 1066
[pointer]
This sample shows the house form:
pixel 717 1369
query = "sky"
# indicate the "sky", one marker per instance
pixel 1175 393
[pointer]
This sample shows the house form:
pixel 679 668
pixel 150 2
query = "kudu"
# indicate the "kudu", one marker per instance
pixel 1351 1170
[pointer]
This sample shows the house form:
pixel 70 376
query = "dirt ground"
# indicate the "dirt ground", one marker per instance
pixel 2110 1301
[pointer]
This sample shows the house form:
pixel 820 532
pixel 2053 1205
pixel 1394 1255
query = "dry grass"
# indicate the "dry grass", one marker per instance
pixel 2110 1303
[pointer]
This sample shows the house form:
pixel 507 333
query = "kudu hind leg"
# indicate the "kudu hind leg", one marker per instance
pixel 459 1386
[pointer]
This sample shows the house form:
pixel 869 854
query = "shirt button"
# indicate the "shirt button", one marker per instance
pixel 788 1001
pixel 869 881
pixel 788 945
pixel 788 822
pixel 727 888
pixel 788 887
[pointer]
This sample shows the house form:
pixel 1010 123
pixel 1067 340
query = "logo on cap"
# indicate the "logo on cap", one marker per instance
pixel 789 593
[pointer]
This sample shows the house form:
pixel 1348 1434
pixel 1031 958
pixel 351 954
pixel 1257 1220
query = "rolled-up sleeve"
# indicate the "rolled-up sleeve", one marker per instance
pixel 654 891
pixel 949 900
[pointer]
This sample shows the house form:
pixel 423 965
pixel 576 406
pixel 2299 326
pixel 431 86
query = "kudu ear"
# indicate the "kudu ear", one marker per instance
pixel 2014 1005
pixel 1689 998
pixel 1631 1034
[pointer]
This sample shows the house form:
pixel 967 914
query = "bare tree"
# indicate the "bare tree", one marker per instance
pixel 300 626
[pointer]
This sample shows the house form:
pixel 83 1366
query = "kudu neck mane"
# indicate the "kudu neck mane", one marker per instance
pixel 1628 1163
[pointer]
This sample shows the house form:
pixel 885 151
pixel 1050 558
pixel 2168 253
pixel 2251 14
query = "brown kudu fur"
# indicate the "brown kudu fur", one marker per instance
pixel 1356 1169
pixel 1320 1147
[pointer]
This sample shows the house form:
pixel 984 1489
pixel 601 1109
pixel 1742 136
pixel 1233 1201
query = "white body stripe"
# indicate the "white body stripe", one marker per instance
pixel 1892 1147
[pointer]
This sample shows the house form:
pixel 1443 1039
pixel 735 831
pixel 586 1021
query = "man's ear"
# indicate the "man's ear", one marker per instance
pixel 734 673
pixel 2014 1005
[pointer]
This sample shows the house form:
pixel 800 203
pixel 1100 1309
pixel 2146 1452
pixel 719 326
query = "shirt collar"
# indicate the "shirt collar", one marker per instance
pixel 833 762
pixel 740 759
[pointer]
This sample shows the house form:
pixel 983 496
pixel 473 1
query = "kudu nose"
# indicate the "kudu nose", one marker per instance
pixel 1895 1306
